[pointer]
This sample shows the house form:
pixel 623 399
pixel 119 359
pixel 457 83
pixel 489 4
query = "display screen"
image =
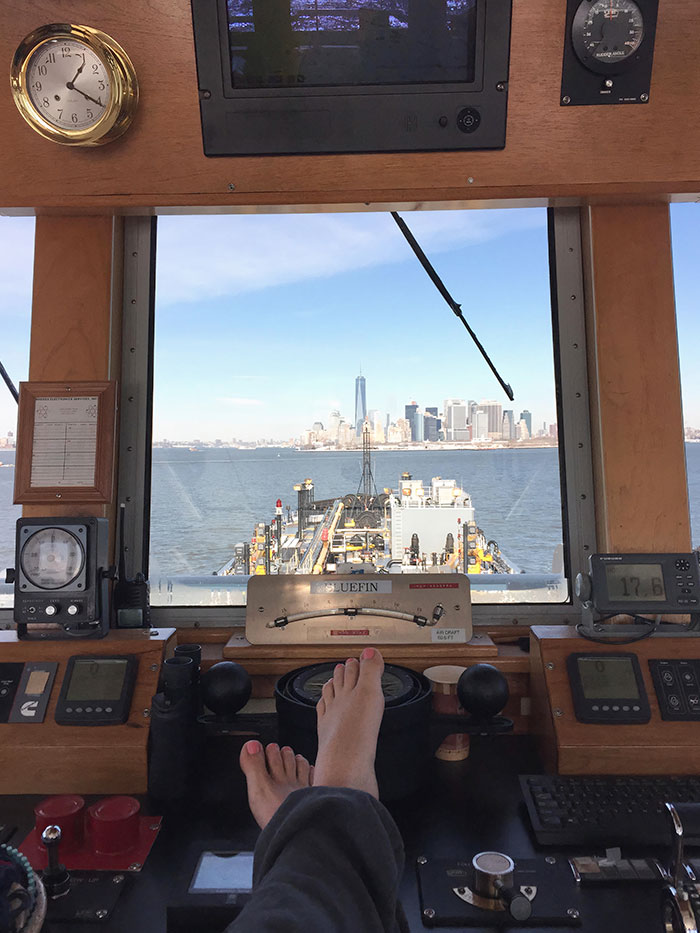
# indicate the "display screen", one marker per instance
pixel 333 43
pixel 36 683
pixel 223 872
pixel 97 679
pixel 608 679
pixel 635 582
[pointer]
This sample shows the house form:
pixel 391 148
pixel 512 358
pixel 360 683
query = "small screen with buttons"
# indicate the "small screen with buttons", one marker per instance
pixel 634 583
pixel 677 685
pixel 97 691
pixel 607 688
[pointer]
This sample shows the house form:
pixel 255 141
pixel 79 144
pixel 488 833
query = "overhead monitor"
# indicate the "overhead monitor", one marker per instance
pixel 325 76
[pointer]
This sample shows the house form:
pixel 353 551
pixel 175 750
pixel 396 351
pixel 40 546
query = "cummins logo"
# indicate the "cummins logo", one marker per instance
pixel 29 708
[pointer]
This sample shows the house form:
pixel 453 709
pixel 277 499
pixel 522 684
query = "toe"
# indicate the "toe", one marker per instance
pixel 371 665
pixel 311 775
pixel 252 761
pixel 328 692
pixel 339 676
pixel 303 768
pixel 320 708
pixel 289 763
pixel 274 762
pixel 352 672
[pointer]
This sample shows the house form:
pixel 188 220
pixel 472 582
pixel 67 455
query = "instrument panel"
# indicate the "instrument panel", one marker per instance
pixel 608 52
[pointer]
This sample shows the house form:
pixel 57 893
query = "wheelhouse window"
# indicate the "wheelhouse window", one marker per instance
pixel 318 407
pixel 16 268
pixel 685 228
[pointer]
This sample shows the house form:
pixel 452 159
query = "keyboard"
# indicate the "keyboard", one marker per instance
pixel 569 810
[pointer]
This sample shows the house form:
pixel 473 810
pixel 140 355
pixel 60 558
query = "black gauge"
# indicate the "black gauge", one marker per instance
pixel 605 33
pixel 398 684
pixel 52 558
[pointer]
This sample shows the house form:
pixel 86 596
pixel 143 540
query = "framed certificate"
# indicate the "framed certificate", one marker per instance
pixel 65 442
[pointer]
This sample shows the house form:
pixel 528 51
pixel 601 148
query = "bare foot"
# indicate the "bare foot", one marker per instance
pixel 271 776
pixel 349 714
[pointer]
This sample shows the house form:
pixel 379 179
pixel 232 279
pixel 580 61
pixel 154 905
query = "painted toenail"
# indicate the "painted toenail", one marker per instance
pixel 367 654
pixel 338 665
pixel 253 748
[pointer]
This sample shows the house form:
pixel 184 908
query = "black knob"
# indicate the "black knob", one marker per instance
pixel 10 575
pixel 226 688
pixel 482 690
pixel 519 906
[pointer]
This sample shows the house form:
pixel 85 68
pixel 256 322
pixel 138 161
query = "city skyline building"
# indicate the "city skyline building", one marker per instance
pixel 494 413
pixel 526 416
pixel 455 419
pixel 360 404
pixel 410 416
pixel 508 429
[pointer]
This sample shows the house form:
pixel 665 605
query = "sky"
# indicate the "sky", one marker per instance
pixel 264 321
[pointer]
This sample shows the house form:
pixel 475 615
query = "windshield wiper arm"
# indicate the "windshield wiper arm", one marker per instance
pixel 9 383
pixel 457 309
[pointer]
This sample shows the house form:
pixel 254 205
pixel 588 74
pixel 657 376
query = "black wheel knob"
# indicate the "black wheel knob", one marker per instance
pixel 226 688
pixel 483 691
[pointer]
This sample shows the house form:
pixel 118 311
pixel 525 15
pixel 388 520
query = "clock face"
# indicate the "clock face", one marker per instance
pixel 68 84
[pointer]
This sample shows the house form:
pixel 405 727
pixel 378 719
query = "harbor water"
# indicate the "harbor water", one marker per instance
pixel 205 501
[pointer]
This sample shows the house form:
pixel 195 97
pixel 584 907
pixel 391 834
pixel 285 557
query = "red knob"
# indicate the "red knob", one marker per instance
pixel 114 824
pixel 66 811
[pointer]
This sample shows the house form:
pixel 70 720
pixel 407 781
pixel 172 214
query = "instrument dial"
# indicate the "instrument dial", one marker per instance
pixel 52 558
pixel 606 32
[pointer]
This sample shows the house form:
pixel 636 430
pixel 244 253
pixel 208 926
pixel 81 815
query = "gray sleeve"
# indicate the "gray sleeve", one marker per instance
pixel 329 861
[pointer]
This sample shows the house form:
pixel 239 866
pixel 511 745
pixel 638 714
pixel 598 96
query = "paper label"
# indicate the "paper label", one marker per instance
pixel 440 635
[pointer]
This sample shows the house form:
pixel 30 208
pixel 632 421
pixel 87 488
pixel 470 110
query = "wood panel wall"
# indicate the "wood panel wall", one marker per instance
pixel 76 313
pixel 552 151
pixel 634 381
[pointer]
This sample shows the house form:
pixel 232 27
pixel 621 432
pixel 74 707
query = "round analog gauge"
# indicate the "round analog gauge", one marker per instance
pixel 74 85
pixel 607 32
pixel 52 558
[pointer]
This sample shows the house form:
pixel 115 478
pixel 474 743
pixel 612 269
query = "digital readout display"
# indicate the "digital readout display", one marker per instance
pixel 97 679
pixel 331 43
pixel 223 873
pixel 608 679
pixel 635 583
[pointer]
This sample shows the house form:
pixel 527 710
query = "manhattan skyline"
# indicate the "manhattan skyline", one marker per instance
pixel 264 321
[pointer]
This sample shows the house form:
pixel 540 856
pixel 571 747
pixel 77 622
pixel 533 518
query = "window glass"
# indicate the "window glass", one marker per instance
pixel 685 227
pixel 16 267
pixel 285 342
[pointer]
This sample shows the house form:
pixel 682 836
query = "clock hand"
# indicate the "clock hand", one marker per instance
pixel 70 84
pixel 87 96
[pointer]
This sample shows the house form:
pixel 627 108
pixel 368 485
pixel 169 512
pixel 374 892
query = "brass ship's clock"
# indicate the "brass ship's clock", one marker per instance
pixel 74 85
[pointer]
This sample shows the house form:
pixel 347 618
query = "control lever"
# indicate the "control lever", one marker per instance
pixel 56 878
pixel 682 903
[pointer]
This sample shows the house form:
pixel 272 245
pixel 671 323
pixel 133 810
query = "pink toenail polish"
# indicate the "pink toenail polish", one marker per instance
pixel 367 654
pixel 253 748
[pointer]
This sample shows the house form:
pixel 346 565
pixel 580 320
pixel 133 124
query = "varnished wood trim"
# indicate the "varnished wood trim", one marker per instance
pixel 639 455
